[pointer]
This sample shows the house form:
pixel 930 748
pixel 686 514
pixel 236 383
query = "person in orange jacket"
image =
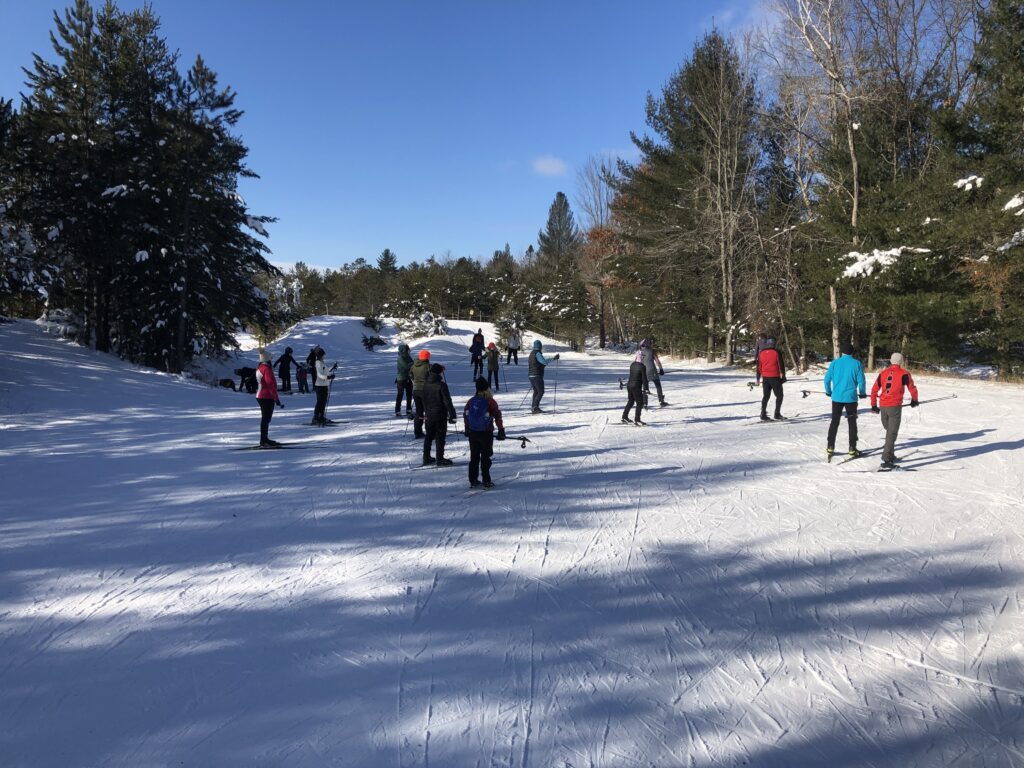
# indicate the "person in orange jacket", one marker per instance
pixel 887 399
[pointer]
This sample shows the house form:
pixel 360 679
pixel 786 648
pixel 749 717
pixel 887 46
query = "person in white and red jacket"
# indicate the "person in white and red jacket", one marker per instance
pixel 267 397
pixel 771 372
pixel 887 399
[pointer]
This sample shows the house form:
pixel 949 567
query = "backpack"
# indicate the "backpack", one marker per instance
pixel 478 416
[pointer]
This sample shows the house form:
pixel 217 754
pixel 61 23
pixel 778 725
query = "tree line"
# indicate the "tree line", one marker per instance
pixel 853 171
pixel 119 204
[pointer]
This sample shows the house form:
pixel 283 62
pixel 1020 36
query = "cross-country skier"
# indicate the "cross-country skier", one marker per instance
pixel 537 364
pixel 844 383
pixel 284 369
pixel 321 384
pixel 887 399
pixel 476 353
pixel 479 416
pixel 247 379
pixel 635 388
pixel 311 361
pixel 492 365
pixel 771 372
pixel 761 343
pixel 515 341
pixel 266 396
pixel 403 381
pixel 646 355
pixel 439 412
pixel 419 372
pixel 302 376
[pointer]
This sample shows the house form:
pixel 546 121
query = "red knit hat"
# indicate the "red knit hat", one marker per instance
pixel 424 354
pixel 491 345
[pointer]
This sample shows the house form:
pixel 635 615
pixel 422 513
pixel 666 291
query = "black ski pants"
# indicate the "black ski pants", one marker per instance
pixel 769 386
pixel 321 404
pixel 417 424
pixel 266 413
pixel 657 386
pixel 537 384
pixel 435 432
pixel 286 379
pixel 513 354
pixel 495 384
pixel 636 396
pixel 303 389
pixel 851 420
pixel 481 448
pixel 404 388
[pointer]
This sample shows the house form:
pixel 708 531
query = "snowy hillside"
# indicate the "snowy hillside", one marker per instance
pixel 705 591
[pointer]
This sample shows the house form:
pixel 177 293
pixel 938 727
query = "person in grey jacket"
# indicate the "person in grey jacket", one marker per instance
pixel 652 363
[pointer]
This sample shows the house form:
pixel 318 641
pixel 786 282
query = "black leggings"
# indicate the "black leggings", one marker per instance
pixel 266 413
pixel 496 385
pixel 851 420
pixel 770 386
pixel 513 354
pixel 435 432
pixel 321 404
pixel 404 388
pixel 537 382
pixel 636 395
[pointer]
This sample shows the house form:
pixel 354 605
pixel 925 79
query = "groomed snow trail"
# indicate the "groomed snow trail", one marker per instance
pixel 705 591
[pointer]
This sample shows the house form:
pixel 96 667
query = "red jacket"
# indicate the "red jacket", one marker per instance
pixel 888 388
pixel 267 383
pixel 769 364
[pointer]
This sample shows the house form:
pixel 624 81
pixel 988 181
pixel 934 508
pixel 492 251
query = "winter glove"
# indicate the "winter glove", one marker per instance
pixel 331 377
pixel 914 403
pixel 862 397
pixel 466 431
pixel 280 404
pixel 661 372
pixel 875 409
pixel 451 420
pixel 783 379
pixel 501 434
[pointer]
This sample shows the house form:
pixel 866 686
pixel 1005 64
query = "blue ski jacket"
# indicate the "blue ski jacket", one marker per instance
pixel 844 380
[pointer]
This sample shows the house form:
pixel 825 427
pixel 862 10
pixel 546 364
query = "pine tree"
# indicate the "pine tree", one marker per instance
pixel 387 263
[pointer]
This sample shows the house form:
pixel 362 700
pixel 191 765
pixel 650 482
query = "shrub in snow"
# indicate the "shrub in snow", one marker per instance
pixel 374 323
pixel 370 342
pixel 413 321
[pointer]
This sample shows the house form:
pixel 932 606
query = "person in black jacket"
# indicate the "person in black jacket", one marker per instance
pixel 636 388
pixel 439 411
pixel 284 369
pixel 311 363
pixel 248 379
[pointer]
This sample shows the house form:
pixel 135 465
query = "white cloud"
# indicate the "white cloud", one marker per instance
pixel 549 165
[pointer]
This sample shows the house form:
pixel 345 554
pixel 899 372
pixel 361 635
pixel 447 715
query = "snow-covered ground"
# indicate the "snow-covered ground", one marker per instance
pixel 705 591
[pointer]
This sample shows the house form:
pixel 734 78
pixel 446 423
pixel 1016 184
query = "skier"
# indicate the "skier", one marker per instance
pixel 537 364
pixel 479 416
pixel 887 399
pixel 247 378
pixel 515 341
pixel 311 361
pixel 636 388
pixel 652 363
pixel 419 372
pixel 439 412
pixel 761 343
pixel 284 369
pixel 321 384
pixel 844 383
pixel 301 376
pixel 403 382
pixel 771 372
pixel 476 352
pixel 266 396
pixel 492 365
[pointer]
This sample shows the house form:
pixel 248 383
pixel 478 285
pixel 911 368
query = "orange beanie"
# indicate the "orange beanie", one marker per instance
pixel 424 354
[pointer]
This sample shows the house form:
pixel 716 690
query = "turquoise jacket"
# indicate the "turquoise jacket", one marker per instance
pixel 844 380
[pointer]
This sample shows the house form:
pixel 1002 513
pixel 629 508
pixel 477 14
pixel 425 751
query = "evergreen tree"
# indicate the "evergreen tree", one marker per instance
pixel 387 263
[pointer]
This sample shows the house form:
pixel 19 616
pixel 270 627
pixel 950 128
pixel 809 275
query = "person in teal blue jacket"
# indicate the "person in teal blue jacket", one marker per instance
pixel 844 383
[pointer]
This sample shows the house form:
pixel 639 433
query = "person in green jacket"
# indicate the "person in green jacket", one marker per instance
pixel 403 382
pixel 492 365
pixel 418 374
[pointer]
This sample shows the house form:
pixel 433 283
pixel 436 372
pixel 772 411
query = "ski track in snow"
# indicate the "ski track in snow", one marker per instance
pixel 703 592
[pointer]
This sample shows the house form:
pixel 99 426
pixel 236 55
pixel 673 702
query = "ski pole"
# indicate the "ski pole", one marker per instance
pixel 522 438
pixel 554 400
pixel 526 395
pixel 330 386
pixel 806 392
pixel 504 377
pixel 933 400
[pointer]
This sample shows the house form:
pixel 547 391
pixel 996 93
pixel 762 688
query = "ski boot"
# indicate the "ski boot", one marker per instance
pixel 764 416
pixel 428 460
pixel 488 484
pixel 855 454
pixel 663 403
pixel 830 452
pixel 779 417
pixel 640 423
pixel 443 462
pixel 626 420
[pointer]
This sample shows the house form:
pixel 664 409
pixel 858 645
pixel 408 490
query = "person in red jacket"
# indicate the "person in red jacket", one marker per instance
pixel 887 399
pixel 267 397
pixel 771 372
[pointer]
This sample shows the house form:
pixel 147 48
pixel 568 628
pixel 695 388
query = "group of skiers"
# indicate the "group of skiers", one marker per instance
pixel 268 396
pixel 428 402
pixel 845 385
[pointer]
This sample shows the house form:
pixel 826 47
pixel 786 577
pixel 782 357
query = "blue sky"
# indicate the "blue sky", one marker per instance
pixel 424 127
